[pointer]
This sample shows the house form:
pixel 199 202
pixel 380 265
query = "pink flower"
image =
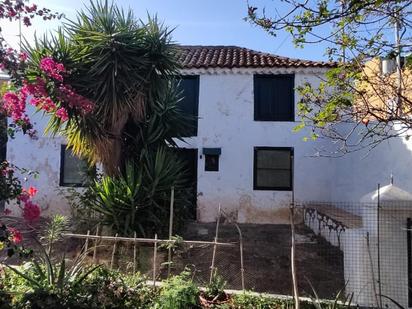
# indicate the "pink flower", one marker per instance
pixel 32 191
pixel 52 68
pixel 15 105
pixel 26 21
pixel 23 56
pixel 37 89
pixel 48 105
pixel 62 114
pixel 75 100
pixel 16 235
pixel 31 211
pixel 23 197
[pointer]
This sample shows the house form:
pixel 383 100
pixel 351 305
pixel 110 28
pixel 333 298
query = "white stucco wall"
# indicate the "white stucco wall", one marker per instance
pixel 226 121
pixel 41 155
pixel 226 112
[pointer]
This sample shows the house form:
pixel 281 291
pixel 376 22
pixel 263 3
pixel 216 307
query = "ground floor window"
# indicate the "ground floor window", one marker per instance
pixel 273 168
pixel 74 172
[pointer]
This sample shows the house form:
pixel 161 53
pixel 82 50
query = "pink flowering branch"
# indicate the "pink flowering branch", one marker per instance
pixel 11 189
pixel 60 102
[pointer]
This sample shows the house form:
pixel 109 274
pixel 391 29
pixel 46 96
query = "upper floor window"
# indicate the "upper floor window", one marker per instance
pixel 74 172
pixel 273 168
pixel 189 86
pixel 274 97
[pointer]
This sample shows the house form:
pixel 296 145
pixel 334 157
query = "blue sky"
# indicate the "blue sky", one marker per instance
pixel 197 22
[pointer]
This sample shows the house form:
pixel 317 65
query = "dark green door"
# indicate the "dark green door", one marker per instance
pixel 190 158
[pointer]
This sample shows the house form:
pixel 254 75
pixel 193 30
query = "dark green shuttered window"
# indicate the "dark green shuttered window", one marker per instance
pixel 274 97
pixel 189 85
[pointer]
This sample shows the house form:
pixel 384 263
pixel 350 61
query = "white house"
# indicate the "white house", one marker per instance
pixel 243 147
pixel 243 153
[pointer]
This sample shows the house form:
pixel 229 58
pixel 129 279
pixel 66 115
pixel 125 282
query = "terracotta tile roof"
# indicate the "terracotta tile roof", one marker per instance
pixel 194 57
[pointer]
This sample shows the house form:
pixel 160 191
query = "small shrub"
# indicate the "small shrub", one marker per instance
pixel 248 300
pixel 110 289
pixel 178 292
pixel 215 290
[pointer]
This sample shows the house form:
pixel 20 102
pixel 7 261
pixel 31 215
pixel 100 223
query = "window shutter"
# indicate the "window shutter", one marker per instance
pixel 274 97
pixel 189 86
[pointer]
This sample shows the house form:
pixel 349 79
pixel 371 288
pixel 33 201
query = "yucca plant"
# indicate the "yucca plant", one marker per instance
pixel 127 68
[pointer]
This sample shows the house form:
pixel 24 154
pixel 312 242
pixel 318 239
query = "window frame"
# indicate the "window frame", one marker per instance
pixel 256 98
pixel 255 168
pixel 62 183
pixel 197 86
pixel 216 167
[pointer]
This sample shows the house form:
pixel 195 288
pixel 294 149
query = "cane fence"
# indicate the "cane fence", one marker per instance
pixel 361 250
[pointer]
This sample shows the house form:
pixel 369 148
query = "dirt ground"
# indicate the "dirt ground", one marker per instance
pixel 266 254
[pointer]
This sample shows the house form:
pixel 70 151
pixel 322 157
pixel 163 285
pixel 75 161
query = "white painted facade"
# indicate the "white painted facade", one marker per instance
pixel 226 121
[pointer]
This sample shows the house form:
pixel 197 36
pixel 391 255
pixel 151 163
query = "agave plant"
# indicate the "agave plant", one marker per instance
pixel 48 277
pixel 138 199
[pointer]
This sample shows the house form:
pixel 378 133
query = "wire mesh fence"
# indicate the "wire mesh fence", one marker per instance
pixel 355 249
pixel 367 246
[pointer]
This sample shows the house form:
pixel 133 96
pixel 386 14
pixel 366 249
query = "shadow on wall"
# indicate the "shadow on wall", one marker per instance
pixel 358 173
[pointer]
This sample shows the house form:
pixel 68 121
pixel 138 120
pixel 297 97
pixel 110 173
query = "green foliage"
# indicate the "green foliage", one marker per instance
pixel 340 302
pixel 104 288
pixel 127 68
pixel 249 300
pixel 110 289
pixel 44 275
pixel 215 290
pixel 354 92
pixel 138 200
pixel 178 292
pixel 36 285
pixel 53 231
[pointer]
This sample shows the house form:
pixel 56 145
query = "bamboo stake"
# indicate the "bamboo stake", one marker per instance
pixel 372 270
pixel 86 244
pixel 154 261
pixel 95 245
pixel 292 259
pixel 169 255
pixel 147 240
pixel 242 269
pixel 293 246
pixel 212 267
pixel 113 252
pixel 134 254
pixel 379 246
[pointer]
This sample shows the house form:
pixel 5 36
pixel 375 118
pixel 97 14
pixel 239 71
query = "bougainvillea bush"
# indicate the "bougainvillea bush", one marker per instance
pixel 13 105
pixel 11 189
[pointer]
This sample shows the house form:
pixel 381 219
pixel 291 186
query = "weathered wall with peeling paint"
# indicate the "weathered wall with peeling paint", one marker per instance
pixel 43 156
pixel 226 121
